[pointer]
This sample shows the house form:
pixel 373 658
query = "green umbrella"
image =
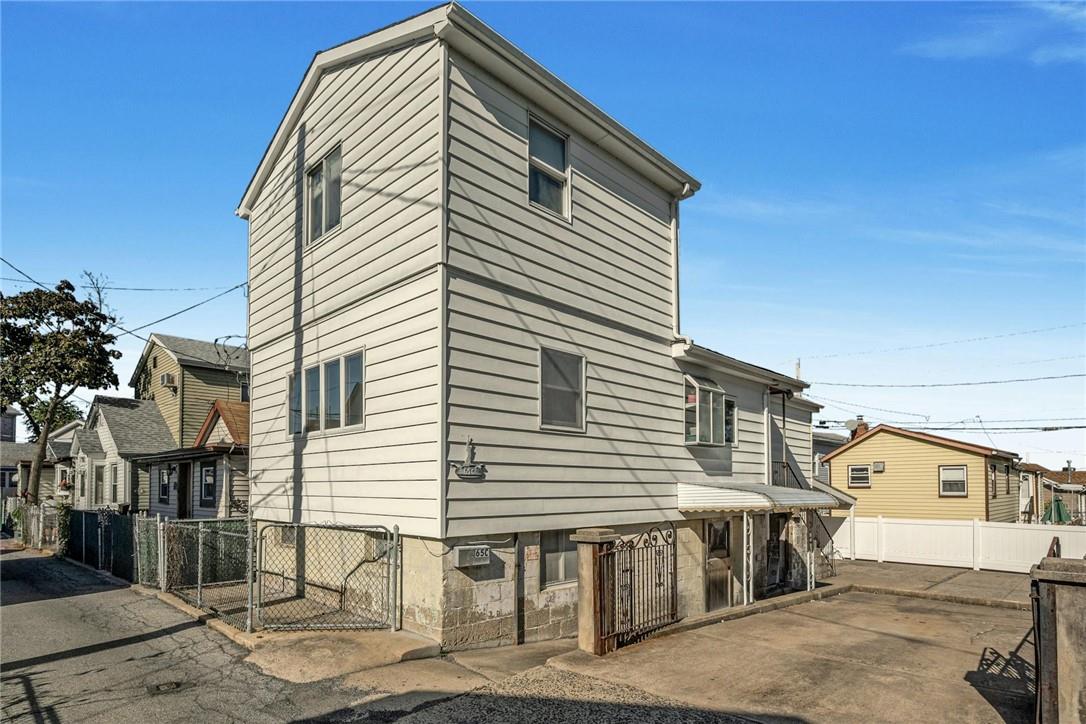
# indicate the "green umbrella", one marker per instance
pixel 1056 512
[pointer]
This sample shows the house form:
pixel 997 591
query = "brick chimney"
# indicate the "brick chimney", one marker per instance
pixel 861 427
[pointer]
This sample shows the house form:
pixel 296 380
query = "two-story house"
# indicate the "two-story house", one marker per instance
pixel 452 252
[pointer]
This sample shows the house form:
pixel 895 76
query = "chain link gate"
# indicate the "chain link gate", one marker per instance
pixel 146 532
pixel 313 576
pixel 206 563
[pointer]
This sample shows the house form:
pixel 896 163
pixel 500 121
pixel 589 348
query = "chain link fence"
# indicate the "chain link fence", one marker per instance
pixel 206 563
pixel 146 534
pixel 326 577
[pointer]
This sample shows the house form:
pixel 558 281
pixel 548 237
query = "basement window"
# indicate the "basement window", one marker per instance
pixel 952 481
pixel 548 171
pixel 558 557
pixel 708 413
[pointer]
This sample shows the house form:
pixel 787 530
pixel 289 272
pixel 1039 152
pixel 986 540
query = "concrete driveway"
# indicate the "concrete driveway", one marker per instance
pixel 856 657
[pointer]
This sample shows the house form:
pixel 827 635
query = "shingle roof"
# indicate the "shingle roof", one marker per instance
pixel 136 426
pixel 203 354
pixel 1078 477
pixel 59 449
pixel 925 436
pixel 12 453
pixel 1032 468
pixel 89 441
pixel 234 414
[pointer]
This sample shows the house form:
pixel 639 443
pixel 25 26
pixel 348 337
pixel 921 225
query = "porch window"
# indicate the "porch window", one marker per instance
pixel 82 486
pixel 548 173
pixel 324 194
pixel 294 405
pixel 558 557
pixel 313 399
pixel 859 476
pixel 99 482
pixel 331 395
pixel 952 481
pixel 207 485
pixel 353 386
pixel 709 416
pixel 163 485
pixel 113 483
pixel 561 394
pixel 992 481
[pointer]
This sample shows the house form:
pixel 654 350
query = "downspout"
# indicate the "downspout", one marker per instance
pixel 767 434
pixel 685 193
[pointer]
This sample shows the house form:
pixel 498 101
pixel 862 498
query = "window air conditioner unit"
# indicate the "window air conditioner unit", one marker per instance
pixel 166 379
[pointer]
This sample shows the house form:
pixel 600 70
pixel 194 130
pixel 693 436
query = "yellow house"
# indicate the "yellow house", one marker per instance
pixel 900 473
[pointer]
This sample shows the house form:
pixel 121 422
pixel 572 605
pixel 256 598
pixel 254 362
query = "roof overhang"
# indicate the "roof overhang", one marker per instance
pixel 472 37
pixel 684 350
pixel 190 453
pixel 937 440
pixel 1064 487
pixel 693 498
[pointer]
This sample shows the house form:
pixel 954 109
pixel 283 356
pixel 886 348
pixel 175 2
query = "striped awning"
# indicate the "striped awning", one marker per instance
pixel 694 498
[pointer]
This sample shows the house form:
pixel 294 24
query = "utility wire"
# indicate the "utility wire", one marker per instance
pixel 852 405
pixel 953 384
pixel 984 429
pixel 126 289
pixel 182 311
pixel 946 343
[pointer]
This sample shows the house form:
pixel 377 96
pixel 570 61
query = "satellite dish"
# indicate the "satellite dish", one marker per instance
pixel 851 425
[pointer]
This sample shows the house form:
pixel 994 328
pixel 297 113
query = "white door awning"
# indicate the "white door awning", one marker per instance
pixel 693 498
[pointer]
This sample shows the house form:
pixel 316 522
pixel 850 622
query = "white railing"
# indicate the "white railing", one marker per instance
pixel 961 543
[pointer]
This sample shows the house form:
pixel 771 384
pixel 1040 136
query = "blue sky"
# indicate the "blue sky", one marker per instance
pixel 874 175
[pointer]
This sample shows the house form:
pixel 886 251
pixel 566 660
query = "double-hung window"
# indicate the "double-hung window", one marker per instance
pixel 1007 479
pixel 561 389
pixel 163 485
pixel 952 481
pixel 992 481
pixel 558 559
pixel 327 396
pixel 324 181
pixel 548 168
pixel 207 485
pixel 99 482
pixel 82 485
pixel 113 483
pixel 709 414
pixel 859 476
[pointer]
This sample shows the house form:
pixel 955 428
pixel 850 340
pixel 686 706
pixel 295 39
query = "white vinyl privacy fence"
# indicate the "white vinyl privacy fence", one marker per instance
pixel 962 543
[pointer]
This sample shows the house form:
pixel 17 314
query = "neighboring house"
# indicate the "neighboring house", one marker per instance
pixel 823 443
pixel 185 376
pixel 10 454
pixel 209 479
pixel 104 452
pixel 7 424
pixel 1032 498
pixel 452 253
pixel 1070 485
pixel 58 451
pixel 906 474
pixel 13 456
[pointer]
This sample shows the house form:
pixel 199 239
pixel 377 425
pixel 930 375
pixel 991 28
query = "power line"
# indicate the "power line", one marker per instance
pixel 958 422
pixel 866 407
pixel 182 311
pixel 946 343
pixel 953 384
pixel 127 289
pixel 984 429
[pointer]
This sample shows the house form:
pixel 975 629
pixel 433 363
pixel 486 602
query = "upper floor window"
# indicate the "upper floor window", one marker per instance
pixel 330 396
pixel 709 415
pixel 561 389
pixel 952 481
pixel 548 171
pixel 323 183
pixel 859 476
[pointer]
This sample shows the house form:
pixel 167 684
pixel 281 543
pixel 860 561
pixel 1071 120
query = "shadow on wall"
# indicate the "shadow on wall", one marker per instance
pixel 1007 682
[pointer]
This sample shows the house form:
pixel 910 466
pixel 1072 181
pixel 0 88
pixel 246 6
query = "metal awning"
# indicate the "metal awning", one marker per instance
pixel 694 498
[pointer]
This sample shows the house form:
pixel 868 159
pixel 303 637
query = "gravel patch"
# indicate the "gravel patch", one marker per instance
pixel 551 695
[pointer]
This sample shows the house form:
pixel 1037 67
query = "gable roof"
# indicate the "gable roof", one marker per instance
pixel 194 353
pixel 923 437
pixel 88 441
pixel 1078 477
pixel 1032 468
pixel 136 426
pixel 464 31
pixel 58 449
pixel 13 453
pixel 235 415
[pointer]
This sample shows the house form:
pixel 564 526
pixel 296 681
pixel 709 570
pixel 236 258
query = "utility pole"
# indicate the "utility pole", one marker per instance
pixel 798 377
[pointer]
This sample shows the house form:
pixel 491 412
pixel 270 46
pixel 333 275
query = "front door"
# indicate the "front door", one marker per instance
pixel 777 550
pixel 184 490
pixel 718 564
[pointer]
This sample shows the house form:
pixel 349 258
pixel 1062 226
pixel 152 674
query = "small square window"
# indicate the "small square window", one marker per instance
pixel 324 183
pixel 561 394
pixel 952 481
pixel 558 557
pixel 859 476
pixel 548 170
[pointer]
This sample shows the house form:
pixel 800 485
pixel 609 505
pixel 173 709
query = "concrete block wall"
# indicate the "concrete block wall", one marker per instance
pixel 420 588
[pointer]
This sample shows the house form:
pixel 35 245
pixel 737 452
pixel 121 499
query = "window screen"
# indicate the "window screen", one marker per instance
pixel 546 168
pixel 562 388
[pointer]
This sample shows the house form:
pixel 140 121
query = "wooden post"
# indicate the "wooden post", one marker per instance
pixel 591 542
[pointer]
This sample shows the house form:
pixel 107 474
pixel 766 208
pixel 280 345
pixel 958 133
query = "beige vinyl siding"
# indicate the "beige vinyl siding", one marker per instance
pixel 142 485
pixel 613 259
pixel 200 387
pixel 743 462
pixel 112 457
pixel 910 486
pixel 169 508
pixel 148 388
pixel 236 484
pixel 1003 508
pixel 794 427
pixel 384 112
pixel 384 474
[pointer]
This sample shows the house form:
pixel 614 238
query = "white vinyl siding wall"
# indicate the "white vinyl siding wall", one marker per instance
pixel 221 507
pixel 373 283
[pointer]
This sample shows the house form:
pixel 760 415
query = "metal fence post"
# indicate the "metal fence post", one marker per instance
pixel 200 564
pixel 98 519
pixel 136 547
pixel 394 573
pixel 250 574
pixel 41 526
pixel 83 553
pixel 162 557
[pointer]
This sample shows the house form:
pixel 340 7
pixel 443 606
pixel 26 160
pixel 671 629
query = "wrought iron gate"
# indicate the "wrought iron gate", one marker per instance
pixel 638 587
pixel 326 576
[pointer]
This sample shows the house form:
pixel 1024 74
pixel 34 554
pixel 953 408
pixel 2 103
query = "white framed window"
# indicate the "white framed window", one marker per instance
pixel 953 481
pixel 312 394
pixel 99 482
pixel 163 485
pixel 294 405
pixel 557 557
pixel 992 481
pixel 113 483
pixel 323 183
pixel 207 485
pixel 561 390
pixel 708 413
pixel 548 168
pixel 333 398
pixel 354 385
pixel 859 476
